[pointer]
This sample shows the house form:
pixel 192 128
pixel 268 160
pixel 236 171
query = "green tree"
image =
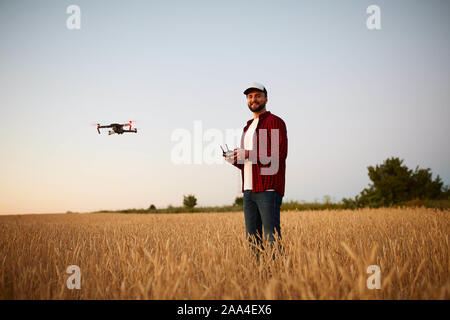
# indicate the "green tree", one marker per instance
pixel 423 187
pixel 190 201
pixel 393 182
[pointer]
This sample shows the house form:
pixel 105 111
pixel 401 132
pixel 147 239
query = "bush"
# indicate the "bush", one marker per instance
pixel 239 201
pixel 190 201
pixel 394 183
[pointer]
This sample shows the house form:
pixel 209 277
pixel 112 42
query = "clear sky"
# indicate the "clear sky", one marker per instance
pixel 350 97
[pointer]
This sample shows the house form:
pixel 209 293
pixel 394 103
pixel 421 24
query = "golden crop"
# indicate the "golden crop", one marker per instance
pixel 206 256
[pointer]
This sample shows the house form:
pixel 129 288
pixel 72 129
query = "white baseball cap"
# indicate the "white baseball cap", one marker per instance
pixel 255 85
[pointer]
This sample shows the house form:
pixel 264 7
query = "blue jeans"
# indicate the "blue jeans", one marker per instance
pixel 262 211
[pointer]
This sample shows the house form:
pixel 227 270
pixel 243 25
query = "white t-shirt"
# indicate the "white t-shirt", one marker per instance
pixel 248 145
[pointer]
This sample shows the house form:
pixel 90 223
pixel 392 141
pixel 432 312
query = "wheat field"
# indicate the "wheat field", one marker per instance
pixel 206 256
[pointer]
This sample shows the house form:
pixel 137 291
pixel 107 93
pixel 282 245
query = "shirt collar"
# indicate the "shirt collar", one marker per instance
pixel 262 116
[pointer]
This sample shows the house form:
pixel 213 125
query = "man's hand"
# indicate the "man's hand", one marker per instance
pixel 238 155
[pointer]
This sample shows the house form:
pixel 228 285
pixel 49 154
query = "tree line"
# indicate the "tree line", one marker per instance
pixel 392 184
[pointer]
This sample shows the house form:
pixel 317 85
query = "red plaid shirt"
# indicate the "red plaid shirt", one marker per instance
pixel 262 182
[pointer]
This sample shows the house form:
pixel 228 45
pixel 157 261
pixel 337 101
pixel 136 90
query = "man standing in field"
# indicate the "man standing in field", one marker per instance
pixel 262 161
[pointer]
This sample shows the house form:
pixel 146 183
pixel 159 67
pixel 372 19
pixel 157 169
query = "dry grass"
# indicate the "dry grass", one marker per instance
pixel 206 256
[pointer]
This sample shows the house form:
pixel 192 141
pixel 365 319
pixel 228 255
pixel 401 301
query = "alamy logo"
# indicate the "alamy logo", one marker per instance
pixel 203 147
pixel 374 20
pixel 73 22
pixel 74 281
pixel 374 281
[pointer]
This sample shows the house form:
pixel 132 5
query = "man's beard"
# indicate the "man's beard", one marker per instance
pixel 257 109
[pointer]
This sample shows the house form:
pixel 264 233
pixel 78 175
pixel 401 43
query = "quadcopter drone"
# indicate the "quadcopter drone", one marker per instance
pixel 117 128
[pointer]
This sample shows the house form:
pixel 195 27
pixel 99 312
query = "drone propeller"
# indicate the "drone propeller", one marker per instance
pixel 97 125
pixel 130 124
